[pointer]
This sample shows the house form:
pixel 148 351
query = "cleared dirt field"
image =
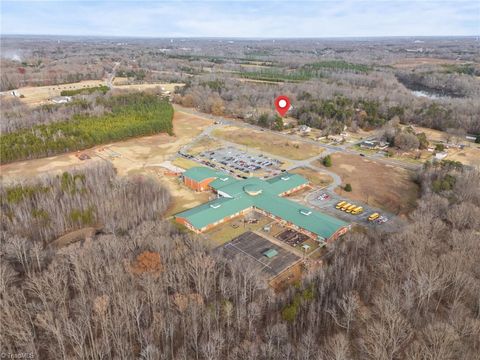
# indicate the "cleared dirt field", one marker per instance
pixel 380 185
pixel 268 142
pixel 317 178
pixel 38 95
pixel 133 154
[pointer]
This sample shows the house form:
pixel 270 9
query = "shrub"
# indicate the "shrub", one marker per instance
pixel 348 187
pixel 327 161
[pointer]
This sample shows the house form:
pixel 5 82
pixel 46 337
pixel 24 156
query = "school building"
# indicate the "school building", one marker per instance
pixel 237 197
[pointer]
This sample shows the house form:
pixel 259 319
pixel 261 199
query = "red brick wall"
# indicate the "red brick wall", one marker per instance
pixel 197 186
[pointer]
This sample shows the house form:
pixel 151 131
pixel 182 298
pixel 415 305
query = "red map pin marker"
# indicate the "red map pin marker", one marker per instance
pixel 282 104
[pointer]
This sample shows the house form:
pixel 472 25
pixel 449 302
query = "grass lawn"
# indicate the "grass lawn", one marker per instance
pixel 223 233
pixel 204 143
pixel 317 178
pixel 184 163
pixel 269 143
pixel 378 184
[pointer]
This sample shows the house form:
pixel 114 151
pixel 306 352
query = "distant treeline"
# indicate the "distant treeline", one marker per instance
pixel 306 72
pixel 130 115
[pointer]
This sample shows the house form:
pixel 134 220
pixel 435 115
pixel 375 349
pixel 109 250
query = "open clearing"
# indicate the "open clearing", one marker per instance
pixel 414 62
pixel 268 142
pixel 468 156
pixel 184 163
pixel 202 144
pixel 317 178
pixel 38 95
pixel 141 87
pixel 380 185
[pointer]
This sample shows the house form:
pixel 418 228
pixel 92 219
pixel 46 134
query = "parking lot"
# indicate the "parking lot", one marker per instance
pixel 326 202
pixel 252 246
pixel 232 158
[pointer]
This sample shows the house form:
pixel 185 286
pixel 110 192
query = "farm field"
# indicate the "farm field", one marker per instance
pixel 38 95
pixel 268 142
pixel 140 87
pixel 380 185
pixel 419 61
pixel 317 178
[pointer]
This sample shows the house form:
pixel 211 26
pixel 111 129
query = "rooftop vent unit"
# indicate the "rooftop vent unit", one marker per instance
pixel 305 212
pixel 215 206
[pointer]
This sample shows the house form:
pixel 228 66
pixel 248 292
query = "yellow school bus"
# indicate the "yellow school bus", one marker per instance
pixel 340 204
pixel 346 206
pixel 357 210
pixel 374 216
pixel 350 208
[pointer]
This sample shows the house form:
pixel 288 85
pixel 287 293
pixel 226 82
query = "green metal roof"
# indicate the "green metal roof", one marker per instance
pixel 285 182
pixel 215 210
pixel 238 195
pixel 200 173
pixel 306 218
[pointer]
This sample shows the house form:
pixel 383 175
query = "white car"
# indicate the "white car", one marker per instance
pixel 381 220
pixel 323 197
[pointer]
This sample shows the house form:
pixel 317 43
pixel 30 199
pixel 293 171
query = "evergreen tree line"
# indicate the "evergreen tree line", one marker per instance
pixel 132 114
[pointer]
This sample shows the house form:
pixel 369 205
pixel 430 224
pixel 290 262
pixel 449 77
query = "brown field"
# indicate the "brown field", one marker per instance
pixel 317 178
pixel 431 134
pixel 120 81
pixel 141 87
pixel 414 62
pixel 268 142
pixel 203 144
pixel 38 95
pixel 468 156
pixel 184 163
pixel 380 185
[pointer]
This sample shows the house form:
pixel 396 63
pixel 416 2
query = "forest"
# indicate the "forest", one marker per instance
pixel 91 266
pixel 126 115
pixel 151 291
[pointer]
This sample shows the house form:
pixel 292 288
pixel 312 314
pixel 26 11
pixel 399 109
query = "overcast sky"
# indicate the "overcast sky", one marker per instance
pixel 241 18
